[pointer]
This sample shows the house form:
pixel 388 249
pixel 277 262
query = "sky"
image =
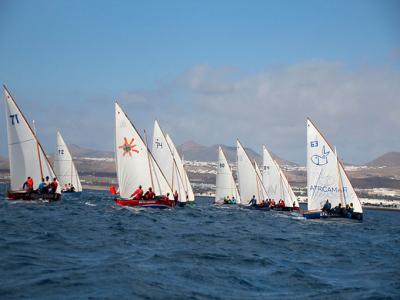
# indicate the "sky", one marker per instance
pixel 209 71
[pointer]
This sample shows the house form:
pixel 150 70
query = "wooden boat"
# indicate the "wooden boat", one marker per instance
pixel 327 180
pixel 65 169
pixel 276 184
pixel 225 184
pixel 250 181
pixel 170 164
pixel 137 166
pixel 158 202
pixel 32 196
pixel 26 155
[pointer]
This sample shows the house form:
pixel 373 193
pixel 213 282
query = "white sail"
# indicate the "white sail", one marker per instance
pixel 64 166
pixel 26 155
pixel 250 182
pixel 165 159
pixel 271 176
pixel 326 178
pixel 260 186
pixel 182 171
pixel 225 184
pixel 287 192
pixel 275 181
pixel 135 164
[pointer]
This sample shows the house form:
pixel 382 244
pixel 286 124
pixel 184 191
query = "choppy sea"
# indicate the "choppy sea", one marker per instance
pixel 89 248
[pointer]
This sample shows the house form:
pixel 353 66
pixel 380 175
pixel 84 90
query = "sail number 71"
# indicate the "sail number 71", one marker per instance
pixel 14 119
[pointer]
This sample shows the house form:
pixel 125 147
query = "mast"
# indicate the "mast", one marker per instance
pixel 38 150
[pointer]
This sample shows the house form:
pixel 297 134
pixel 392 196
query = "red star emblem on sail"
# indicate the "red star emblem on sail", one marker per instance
pixel 128 147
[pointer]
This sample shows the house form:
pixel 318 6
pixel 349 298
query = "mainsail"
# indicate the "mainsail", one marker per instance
pixel 275 181
pixel 64 166
pixel 250 182
pixel 26 155
pixel 225 184
pixel 135 164
pixel 181 168
pixel 165 159
pixel 326 177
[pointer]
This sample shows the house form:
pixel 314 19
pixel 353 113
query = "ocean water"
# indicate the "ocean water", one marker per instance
pixel 88 248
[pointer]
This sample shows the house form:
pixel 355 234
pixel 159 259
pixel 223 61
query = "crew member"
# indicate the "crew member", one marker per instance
pixel 253 201
pixel 149 195
pixel 28 184
pixel 327 206
pixel 54 186
pixel 138 193
pixel 42 187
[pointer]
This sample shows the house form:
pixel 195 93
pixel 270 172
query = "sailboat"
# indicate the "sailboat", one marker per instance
pixel 65 168
pixel 250 181
pixel 327 180
pixel 136 167
pixel 277 185
pixel 225 184
pixel 185 178
pixel 165 158
pixel 27 157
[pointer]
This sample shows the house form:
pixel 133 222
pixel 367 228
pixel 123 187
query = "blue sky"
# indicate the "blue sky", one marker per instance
pixel 67 61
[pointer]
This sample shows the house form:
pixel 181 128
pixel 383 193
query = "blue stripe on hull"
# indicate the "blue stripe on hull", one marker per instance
pixel 316 215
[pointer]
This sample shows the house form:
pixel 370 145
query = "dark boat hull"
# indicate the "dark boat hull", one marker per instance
pixel 284 209
pixel 325 215
pixel 32 196
pixel 256 207
pixel 155 203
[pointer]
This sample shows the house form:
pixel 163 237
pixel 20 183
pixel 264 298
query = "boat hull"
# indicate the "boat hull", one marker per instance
pixel 283 208
pixel 181 204
pixel 155 203
pixel 31 196
pixel 256 207
pixel 325 215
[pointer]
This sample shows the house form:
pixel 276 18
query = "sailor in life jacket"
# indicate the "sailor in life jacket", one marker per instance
pixel 149 195
pixel 28 184
pixel 53 186
pixel 138 193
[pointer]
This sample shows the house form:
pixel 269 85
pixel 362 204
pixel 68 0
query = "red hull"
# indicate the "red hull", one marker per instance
pixel 156 203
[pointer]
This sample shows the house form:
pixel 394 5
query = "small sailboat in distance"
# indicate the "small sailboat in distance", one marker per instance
pixel 251 188
pixel 65 168
pixel 330 193
pixel 277 185
pixel 137 169
pixel 29 164
pixel 226 191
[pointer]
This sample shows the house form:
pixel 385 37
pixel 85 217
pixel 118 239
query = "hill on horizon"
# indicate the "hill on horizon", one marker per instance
pixel 193 151
pixel 390 159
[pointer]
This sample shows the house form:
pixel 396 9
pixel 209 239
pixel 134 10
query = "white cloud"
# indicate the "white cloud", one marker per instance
pixel 358 109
